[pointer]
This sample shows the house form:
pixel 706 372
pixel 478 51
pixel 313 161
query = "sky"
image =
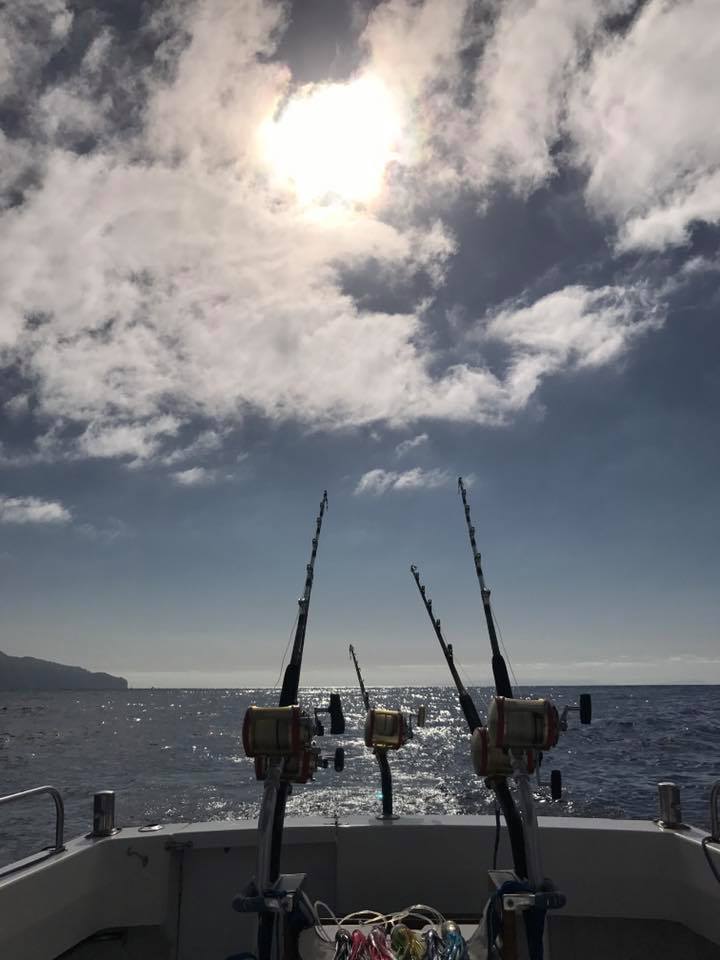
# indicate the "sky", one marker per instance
pixel 251 250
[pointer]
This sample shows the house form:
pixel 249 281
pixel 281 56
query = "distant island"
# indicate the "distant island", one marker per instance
pixel 29 673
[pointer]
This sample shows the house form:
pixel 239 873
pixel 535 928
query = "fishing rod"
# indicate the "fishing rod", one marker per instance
pixel 499 667
pixel 379 752
pixel 499 785
pixel 291 686
pixel 384 730
pixel 363 692
pixel 291 680
pixel 466 702
pixel 518 732
pixel 280 739
pixel 516 828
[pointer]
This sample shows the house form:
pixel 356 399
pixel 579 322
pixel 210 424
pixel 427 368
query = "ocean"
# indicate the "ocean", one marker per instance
pixel 176 755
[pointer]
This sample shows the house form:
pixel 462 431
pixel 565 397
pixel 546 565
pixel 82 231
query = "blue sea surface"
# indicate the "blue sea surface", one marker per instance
pixel 176 755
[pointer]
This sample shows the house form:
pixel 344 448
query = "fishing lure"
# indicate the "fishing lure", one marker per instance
pixel 359 946
pixel 343 945
pixel 407 945
pixel 378 946
pixel 455 946
pixel 434 946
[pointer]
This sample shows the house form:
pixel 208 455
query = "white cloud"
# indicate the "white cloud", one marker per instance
pixel 168 279
pixel 194 477
pixel 107 533
pixel 645 120
pixel 571 328
pixel 18 405
pixel 104 438
pixel 31 33
pixel 32 510
pixel 205 442
pixel 379 481
pixel 521 85
pixel 700 265
pixel 555 84
pixel 411 443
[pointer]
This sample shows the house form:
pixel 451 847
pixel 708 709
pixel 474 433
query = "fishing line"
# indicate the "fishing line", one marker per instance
pixel 287 647
pixel 502 644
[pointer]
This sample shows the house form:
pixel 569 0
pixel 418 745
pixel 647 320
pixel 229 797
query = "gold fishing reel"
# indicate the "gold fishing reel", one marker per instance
pixel 390 729
pixel 283 736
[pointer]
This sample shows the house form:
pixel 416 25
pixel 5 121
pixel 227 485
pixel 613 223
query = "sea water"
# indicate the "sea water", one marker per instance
pixel 176 755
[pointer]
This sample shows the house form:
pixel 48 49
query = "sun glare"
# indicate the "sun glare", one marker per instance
pixel 333 142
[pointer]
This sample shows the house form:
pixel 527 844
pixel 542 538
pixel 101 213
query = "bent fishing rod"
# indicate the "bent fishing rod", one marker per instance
pixel 499 667
pixel 291 684
pixel 499 785
pixel 466 702
pixel 503 688
pixel 363 692
pixel 277 784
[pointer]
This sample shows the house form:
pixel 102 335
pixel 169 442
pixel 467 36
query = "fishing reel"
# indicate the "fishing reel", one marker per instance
pixel 523 724
pixel 390 729
pixel 301 767
pixel 518 732
pixel 583 707
pixel 283 736
pixel 491 761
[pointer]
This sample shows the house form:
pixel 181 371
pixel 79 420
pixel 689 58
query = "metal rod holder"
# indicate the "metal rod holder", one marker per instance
pixel 103 814
pixel 386 785
pixel 669 804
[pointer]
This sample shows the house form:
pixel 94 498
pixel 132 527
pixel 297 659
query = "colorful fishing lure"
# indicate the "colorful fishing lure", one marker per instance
pixel 378 945
pixel 454 943
pixel 434 946
pixel 406 944
pixel 343 945
pixel 359 947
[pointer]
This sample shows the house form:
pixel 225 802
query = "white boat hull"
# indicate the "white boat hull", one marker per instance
pixel 634 889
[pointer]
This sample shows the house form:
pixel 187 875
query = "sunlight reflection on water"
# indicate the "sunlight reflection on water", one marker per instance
pixel 176 755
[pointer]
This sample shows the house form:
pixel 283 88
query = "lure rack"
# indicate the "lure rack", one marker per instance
pixel 385 730
pixel 375 936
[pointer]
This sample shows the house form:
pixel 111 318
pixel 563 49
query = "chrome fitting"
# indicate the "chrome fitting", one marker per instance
pixel 104 814
pixel 669 804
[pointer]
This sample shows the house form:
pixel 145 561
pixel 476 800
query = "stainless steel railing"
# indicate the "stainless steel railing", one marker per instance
pixel 59 811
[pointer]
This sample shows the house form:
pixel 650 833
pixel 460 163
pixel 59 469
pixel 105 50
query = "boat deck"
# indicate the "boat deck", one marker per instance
pixel 634 890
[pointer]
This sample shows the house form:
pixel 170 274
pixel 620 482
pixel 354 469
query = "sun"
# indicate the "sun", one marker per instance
pixel 333 142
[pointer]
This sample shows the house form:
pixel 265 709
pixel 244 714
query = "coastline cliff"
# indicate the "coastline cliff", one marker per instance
pixel 29 673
